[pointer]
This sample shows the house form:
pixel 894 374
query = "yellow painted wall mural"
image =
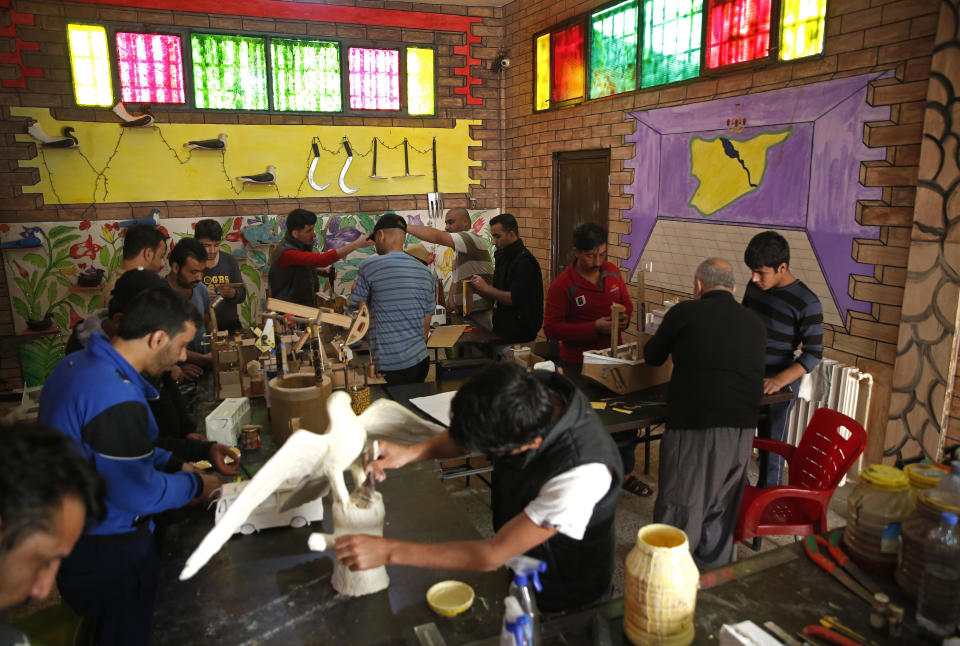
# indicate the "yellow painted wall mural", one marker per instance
pixel 115 164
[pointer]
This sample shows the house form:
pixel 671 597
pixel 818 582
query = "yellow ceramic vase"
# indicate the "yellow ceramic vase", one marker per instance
pixel 661 591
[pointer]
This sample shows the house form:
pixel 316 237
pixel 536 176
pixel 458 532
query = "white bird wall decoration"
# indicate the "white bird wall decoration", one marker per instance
pixel 310 456
pixel 134 120
pixel 220 143
pixel 68 140
pixel 270 177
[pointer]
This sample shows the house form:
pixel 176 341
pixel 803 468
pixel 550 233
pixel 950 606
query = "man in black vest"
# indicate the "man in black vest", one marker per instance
pixel 293 268
pixel 556 479
pixel 517 291
pixel 718 348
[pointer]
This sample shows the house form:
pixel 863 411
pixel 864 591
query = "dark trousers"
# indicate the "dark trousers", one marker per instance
pixel 770 465
pixel 702 475
pixel 415 374
pixel 112 581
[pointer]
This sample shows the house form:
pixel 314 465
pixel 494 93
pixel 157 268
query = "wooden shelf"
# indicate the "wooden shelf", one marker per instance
pixel 78 288
pixel 28 332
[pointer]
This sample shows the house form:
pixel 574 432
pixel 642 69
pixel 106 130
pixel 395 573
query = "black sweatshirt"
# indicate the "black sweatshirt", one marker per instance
pixel 718 348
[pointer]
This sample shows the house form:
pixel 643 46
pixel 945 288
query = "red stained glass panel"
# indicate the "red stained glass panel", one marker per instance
pixel 568 63
pixel 151 68
pixel 737 31
pixel 374 79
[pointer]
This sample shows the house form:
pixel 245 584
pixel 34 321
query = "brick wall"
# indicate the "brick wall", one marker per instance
pixel 862 36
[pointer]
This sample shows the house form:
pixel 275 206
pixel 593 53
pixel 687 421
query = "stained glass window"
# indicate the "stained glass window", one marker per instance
pixel 374 79
pixel 613 50
pixel 671 41
pixel 801 28
pixel 419 80
pixel 543 73
pixel 150 67
pixel 229 72
pixel 568 63
pixel 90 62
pixel 737 31
pixel 306 75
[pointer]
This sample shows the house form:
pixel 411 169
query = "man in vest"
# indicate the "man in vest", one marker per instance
pixel 517 290
pixel 554 491
pixel 293 270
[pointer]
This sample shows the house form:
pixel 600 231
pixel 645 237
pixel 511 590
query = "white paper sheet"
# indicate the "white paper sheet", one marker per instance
pixel 436 406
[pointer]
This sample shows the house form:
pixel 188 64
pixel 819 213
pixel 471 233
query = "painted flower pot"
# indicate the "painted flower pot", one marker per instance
pixel 40 325
pixel 90 278
pixel 661 591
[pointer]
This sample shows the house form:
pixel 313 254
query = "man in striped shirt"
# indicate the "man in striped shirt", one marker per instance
pixel 793 317
pixel 398 289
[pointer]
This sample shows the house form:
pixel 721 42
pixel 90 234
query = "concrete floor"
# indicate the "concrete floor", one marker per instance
pixel 633 512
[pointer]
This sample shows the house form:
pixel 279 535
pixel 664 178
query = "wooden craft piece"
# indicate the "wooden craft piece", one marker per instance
pixel 615 311
pixel 446 336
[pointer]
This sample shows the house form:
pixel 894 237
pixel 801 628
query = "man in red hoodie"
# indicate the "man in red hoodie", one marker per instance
pixel 577 311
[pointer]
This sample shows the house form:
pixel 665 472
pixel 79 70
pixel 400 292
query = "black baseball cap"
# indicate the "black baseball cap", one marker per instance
pixel 388 220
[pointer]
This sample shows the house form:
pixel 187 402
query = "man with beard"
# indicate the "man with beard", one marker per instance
pixel 187 262
pixel 98 398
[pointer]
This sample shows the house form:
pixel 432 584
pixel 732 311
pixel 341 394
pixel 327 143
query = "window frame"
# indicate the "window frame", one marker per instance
pixel 114 69
pixel 588 50
pixel 401 74
pixel 405 90
pixel 113 29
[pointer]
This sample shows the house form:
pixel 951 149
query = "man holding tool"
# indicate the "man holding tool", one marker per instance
pixel 221 276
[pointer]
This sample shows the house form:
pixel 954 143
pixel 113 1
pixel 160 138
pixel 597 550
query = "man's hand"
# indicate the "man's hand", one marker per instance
pixel 392 456
pixel 211 484
pixel 604 325
pixel 218 454
pixel 362 552
pixel 772 385
pixel 212 291
pixel 187 371
pixel 204 360
pixel 480 286
pixel 227 291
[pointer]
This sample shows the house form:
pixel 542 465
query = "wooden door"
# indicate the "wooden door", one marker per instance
pixel 581 193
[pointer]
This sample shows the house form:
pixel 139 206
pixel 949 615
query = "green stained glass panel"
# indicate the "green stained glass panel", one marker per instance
pixel 306 75
pixel 671 41
pixel 229 72
pixel 613 50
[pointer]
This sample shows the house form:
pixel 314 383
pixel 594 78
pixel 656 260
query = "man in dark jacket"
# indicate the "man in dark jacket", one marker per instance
pixel 517 290
pixel 713 402
pixel 556 480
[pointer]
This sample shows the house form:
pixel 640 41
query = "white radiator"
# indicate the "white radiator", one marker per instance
pixel 831 385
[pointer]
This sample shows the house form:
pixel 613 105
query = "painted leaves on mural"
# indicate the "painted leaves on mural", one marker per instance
pixel 50 267
pixel 39 358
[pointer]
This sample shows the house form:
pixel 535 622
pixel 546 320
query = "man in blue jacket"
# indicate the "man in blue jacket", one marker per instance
pixel 98 398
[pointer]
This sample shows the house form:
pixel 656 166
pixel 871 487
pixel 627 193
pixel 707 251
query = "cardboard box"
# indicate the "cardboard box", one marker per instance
pixel 224 423
pixel 625 372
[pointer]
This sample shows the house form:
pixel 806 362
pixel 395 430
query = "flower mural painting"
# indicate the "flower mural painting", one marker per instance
pixel 86 248
pixel 60 249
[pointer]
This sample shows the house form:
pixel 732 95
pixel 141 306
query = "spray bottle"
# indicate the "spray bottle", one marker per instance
pixel 526 579
pixel 516 629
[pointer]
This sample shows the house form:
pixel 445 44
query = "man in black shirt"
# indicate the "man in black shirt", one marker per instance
pixel 517 289
pixel 718 348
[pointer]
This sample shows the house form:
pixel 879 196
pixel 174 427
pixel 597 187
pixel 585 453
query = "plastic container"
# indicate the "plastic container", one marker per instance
pixel 516 629
pixel 912 560
pixel 924 475
pixel 938 603
pixel 951 483
pixel 875 511
pixel 526 579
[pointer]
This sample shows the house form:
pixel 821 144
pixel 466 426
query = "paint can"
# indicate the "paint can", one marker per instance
pixel 250 437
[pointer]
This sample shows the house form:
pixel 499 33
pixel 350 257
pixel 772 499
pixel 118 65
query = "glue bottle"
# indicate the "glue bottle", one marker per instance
pixel 526 579
pixel 516 629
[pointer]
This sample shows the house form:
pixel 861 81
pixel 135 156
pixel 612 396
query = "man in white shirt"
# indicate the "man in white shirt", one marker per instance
pixel 555 485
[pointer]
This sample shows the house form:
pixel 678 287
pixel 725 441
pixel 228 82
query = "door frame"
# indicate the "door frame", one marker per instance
pixel 596 153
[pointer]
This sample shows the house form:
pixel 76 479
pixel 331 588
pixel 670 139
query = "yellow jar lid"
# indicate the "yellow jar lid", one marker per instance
pixel 885 477
pixel 923 475
pixel 940 500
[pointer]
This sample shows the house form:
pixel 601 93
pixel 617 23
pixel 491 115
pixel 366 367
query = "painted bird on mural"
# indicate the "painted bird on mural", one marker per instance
pixel 68 140
pixel 134 120
pixel 261 178
pixel 208 144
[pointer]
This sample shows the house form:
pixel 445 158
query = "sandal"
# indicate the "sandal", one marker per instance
pixel 635 486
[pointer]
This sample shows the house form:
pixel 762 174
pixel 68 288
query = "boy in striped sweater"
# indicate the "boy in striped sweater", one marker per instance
pixel 793 317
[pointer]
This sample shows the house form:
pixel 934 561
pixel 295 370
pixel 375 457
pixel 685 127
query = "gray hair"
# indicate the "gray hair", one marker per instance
pixel 715 272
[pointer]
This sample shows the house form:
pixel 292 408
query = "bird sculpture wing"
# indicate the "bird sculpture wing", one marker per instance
pixel 387 420
pixel 301 455
pixel 261 177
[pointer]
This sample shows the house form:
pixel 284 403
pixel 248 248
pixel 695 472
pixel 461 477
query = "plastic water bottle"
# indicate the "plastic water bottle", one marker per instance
pixel 950 484
pixel 938 603
pixel 526 579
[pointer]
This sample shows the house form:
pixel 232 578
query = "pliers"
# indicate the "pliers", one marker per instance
pixel 811 544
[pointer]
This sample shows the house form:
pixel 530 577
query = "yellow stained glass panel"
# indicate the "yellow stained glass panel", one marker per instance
pixel 801 28
pixel 90 62
pixel 420 81
pixel 543 73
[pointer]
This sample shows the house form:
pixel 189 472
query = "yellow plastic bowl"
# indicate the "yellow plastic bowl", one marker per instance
pixel 450 598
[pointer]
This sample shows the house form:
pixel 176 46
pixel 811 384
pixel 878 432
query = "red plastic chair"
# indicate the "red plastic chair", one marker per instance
pixel 827 450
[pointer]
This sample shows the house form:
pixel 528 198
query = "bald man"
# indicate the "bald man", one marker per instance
pixel 473 253
pixel 718 349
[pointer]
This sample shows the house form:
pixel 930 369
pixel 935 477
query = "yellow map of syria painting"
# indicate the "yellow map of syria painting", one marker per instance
pixel 728 168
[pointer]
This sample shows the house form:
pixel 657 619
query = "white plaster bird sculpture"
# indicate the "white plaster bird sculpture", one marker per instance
pixel 309 456
pixel 269 177
pixel 208 144
pixel 134 120
pixel 68 140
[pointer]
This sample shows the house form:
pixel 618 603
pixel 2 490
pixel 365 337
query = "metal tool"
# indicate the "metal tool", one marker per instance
pixel 434 203
pixel 406 162
pixel 366 490
pixel 810 544
pixel 781 634
pixel 373 174
pixel 346 167
pixel 834 624
pixel 828 635
pixel 844 561
pixel 313 167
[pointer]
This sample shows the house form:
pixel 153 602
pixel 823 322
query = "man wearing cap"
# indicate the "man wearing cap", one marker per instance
pixel 398 290
pixel 293 268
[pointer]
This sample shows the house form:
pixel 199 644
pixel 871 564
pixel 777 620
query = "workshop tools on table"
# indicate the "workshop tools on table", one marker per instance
pixel 811 543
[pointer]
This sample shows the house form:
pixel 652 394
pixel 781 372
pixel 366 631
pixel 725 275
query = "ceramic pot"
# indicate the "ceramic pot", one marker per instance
pixel 661 591
pixel 90 280
pixel 40 325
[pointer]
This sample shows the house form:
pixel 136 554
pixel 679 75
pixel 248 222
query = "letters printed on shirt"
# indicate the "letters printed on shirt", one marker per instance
pixel 581 300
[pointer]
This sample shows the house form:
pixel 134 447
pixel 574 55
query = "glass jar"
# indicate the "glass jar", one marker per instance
pixel 875 510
